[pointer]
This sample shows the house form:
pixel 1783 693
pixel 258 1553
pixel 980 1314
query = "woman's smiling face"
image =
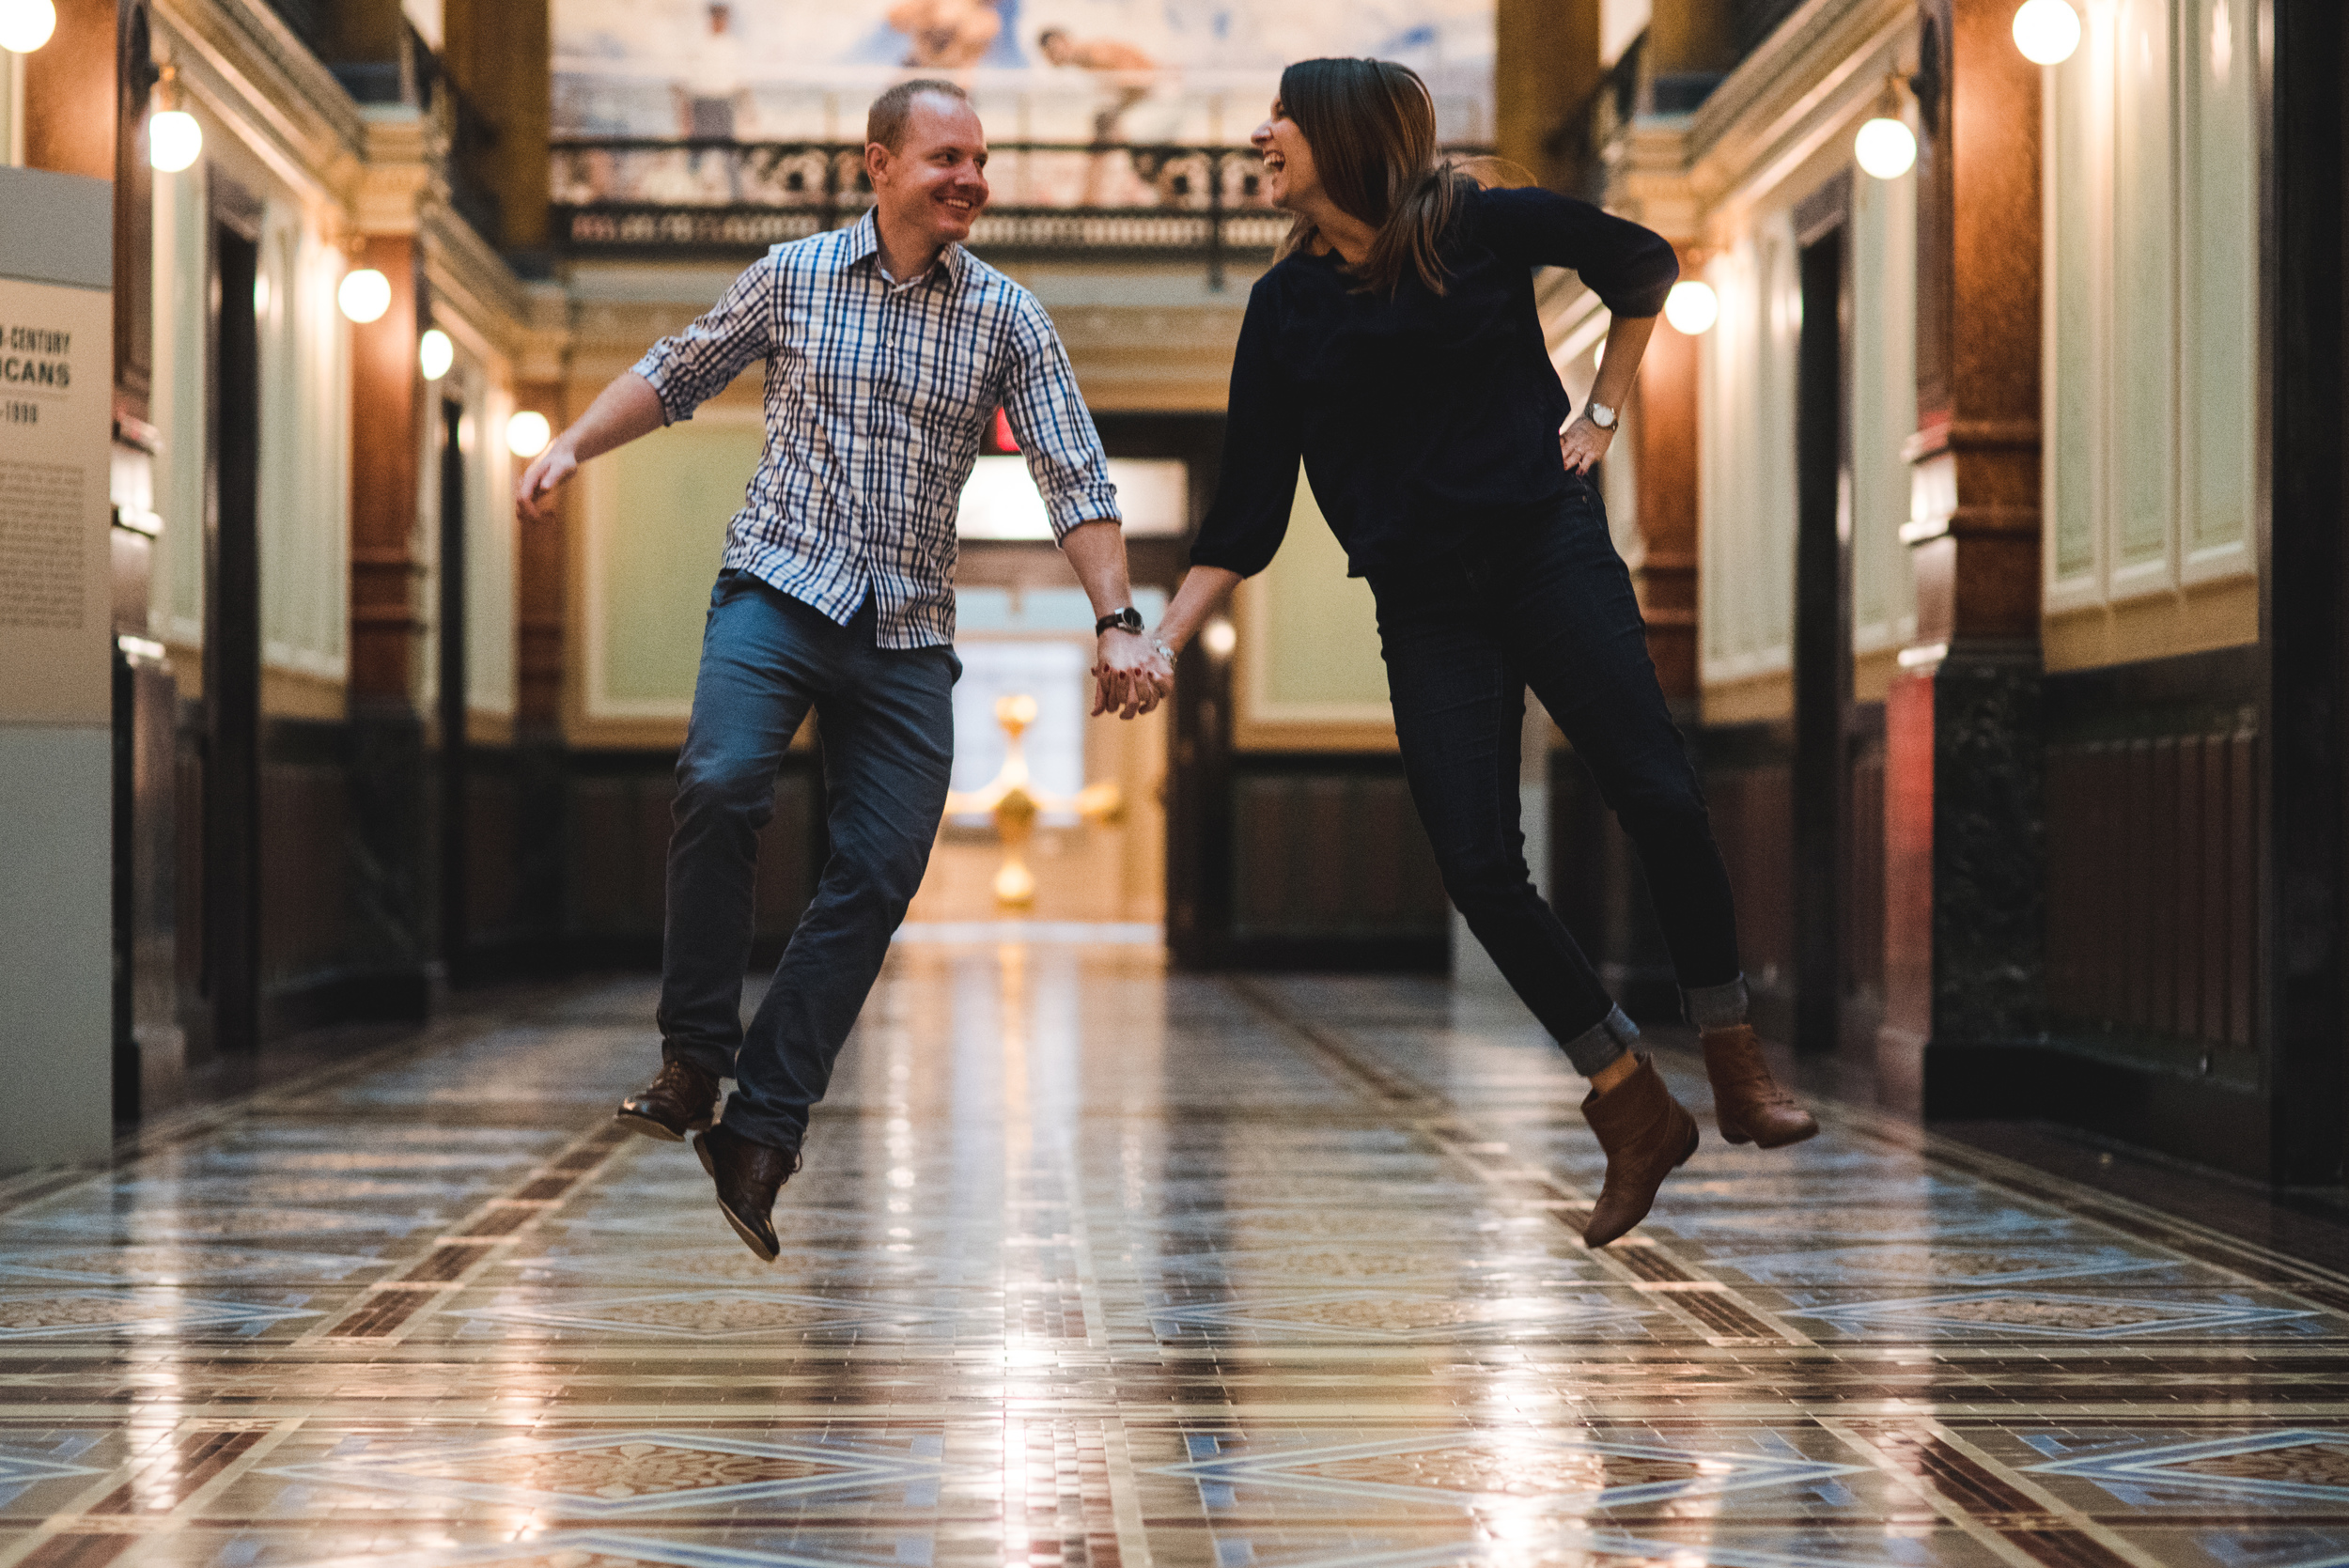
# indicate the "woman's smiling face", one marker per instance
pixel 1288 160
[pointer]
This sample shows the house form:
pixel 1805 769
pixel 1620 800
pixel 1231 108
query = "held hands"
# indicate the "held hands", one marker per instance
pixel 533 493
pixel 1583 444
pixel 1129 676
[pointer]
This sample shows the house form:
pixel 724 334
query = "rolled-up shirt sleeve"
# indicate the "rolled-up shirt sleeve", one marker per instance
pixel 690 367
pixel 1049 419
pixel 1630 267
pixel 1263 438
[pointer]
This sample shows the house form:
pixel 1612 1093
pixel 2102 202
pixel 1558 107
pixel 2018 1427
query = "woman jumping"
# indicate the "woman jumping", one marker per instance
pixel 1396 347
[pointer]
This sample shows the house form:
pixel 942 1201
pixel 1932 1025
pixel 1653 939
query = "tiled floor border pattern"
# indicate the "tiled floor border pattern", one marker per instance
pixel 1079 1505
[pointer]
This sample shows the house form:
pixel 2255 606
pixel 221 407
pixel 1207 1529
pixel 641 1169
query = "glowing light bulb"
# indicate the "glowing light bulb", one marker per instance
pixel 174 140
pixel 2047 31
pixel 1884 147
pixel 435 354
pixel 25 25
pixel 527 433
pixel 364 295
pixel 1692 307
pixel 1218 638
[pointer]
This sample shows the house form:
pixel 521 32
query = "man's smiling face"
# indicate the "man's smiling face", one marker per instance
pixel 935 185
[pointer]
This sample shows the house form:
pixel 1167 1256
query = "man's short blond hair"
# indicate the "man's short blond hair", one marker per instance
pixel 891 114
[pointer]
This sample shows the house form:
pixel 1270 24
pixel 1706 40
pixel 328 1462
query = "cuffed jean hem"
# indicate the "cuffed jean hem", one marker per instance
pixel 1599 1046
pixel 775 1132
pixel 1715 1006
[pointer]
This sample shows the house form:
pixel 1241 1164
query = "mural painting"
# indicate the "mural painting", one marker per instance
pixel 1102 82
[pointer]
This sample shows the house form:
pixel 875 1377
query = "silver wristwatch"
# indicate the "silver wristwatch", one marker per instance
pixel 1601 415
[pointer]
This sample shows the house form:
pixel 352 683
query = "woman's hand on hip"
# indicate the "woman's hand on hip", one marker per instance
pixel 1581 445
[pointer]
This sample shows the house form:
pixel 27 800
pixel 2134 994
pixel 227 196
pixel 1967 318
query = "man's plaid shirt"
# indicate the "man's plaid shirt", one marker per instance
pixel 878 394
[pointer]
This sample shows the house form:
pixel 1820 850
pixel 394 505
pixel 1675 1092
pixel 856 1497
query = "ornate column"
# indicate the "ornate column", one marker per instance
pixel 1964 897
pixel 1544 69
pixel 390 775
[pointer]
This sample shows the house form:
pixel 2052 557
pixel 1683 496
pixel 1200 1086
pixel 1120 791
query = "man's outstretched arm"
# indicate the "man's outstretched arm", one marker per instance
pixel 627 409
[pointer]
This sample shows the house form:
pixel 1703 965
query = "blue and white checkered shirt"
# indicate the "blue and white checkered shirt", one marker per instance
pixel 878 394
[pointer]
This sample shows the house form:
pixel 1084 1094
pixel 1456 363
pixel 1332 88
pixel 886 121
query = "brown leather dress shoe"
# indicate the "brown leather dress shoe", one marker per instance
pixel 748 1175
pixel 1747 1103
pixel 1647 1135
pixel 681 1098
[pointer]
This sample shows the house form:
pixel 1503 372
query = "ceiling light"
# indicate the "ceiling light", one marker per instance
pixel 25 25
pixel 1692 307
pixel 364 295
pixel 2047 31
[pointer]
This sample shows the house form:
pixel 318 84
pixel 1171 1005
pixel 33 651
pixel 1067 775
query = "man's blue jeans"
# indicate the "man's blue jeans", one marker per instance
pixel 888 728
pixel 1546 602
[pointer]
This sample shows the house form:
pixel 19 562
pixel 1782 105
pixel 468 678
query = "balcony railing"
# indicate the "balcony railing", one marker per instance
pixel 643 197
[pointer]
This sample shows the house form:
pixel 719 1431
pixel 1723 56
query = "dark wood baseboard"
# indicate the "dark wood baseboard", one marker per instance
pixel 2210 1123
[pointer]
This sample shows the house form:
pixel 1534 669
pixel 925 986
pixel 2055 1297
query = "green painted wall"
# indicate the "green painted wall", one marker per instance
pixel 674 493
pixel 1322 636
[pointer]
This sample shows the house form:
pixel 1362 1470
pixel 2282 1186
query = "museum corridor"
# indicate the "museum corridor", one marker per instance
pixel 1092 1263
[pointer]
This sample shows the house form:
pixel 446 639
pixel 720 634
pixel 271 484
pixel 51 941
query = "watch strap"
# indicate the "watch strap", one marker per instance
pixel 1127 619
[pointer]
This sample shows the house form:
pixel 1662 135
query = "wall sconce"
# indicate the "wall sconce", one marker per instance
pixel 1219 637
pixel 1885 147
pixel 26 24
pixel 174 140
pixel 435 354
pixel 2047 31
pixel 527 433
pixel 364 295
pixel 1692 307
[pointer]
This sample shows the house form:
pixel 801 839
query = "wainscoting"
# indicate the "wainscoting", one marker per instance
pixel 2153 882
pixel 2152 989
pixel 1330 851
pixel 1310 860
pixel 617 842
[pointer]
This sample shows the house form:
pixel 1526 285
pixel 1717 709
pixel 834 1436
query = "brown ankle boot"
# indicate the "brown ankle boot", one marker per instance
pixel 1748 1103
pixel 1647 1135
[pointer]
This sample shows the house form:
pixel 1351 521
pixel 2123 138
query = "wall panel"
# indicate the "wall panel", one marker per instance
pixel 2152 396
pixel 1746 401
pixel 1883 406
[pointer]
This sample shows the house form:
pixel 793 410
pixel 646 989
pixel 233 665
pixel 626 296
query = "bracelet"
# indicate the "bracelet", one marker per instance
pixel 1163 651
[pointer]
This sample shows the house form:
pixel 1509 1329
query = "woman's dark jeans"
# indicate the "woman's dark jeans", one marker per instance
pixel 1548 603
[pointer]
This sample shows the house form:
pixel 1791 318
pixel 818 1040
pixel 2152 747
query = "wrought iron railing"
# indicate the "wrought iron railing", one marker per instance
pixel 635 196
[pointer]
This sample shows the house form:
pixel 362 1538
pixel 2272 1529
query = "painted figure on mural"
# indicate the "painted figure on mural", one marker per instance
pixel 837 595
pixel 1159 71
pixel 1396 349
pixel 946 35
pixel 1126 75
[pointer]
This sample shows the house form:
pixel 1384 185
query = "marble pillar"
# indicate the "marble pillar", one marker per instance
pixel 1964 834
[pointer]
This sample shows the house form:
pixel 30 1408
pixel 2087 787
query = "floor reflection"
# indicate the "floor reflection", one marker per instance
pixel 1092 1263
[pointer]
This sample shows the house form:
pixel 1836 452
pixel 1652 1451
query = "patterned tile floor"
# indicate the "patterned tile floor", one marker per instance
pixel 1092 1264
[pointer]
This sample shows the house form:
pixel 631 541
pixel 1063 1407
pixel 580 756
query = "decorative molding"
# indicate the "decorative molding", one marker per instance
pixel 246 66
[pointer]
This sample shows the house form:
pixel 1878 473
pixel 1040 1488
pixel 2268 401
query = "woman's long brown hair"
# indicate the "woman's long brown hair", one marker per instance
pixel 1372 126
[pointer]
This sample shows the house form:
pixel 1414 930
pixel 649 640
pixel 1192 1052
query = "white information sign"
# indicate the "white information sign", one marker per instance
pixel 56 652
pixel 57 398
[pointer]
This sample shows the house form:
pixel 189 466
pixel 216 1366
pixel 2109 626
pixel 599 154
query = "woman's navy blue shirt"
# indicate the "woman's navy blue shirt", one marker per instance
pixel 1419 417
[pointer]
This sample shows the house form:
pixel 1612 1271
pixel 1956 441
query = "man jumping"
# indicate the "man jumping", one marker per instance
pixel 888 349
